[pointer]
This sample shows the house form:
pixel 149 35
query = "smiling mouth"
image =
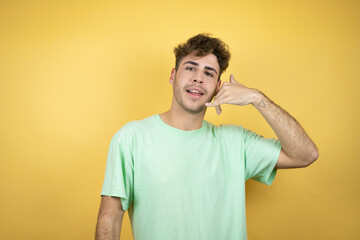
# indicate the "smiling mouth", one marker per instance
pixel 195 92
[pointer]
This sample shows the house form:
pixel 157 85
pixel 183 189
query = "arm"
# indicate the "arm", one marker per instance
pixel 298 150
pixel 110 218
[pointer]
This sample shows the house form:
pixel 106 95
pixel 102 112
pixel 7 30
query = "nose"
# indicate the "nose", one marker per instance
pixel 198 79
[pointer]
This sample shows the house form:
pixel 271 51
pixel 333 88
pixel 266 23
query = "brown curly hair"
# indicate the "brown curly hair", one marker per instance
pixel 202 45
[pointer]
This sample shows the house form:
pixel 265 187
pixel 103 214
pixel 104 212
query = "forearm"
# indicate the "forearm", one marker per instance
pixel 294 140
pixel 107 229
pixel 109 220
pixel 296 144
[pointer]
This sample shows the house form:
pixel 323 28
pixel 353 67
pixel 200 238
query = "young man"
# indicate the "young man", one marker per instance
pixel 182 177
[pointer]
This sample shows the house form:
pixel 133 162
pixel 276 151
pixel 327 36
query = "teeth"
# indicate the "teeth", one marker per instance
pixel 194 91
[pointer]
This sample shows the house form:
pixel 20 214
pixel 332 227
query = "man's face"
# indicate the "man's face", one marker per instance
pixel 195 82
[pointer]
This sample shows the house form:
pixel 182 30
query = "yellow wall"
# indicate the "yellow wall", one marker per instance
pixel 73 72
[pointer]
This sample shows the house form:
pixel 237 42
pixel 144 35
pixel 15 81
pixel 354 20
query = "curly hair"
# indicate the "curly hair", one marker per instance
pixel 202 45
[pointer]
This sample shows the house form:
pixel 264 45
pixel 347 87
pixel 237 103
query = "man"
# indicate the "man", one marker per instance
pixel 182 177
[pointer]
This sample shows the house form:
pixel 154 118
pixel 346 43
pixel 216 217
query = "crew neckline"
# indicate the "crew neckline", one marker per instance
pixel 158 119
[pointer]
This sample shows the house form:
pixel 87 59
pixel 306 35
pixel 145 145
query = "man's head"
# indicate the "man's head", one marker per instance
pixel 202 45
pixel 196 76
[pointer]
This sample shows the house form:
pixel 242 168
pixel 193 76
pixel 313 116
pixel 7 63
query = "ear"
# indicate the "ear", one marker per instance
pixel 218 85
pixel 172 76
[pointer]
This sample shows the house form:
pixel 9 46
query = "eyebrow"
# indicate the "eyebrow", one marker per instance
pixel 196 64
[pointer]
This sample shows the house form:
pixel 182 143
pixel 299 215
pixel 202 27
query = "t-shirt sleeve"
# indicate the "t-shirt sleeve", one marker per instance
pixel 119 171
pixel 261 155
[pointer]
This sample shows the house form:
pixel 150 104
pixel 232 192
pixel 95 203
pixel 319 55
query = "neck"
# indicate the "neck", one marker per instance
pixel 181 119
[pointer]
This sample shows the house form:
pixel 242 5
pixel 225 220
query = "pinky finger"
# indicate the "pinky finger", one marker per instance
pixel 218 109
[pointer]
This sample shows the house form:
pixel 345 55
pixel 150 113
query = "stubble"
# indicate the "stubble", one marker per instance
pixel 178 94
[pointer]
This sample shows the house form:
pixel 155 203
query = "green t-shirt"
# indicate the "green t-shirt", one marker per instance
pixel 180 185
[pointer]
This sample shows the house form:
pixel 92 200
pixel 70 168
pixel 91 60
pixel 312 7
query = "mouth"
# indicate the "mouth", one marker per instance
pixel 195 92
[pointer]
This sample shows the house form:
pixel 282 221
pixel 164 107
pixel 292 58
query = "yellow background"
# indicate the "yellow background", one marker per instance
pixel 73 72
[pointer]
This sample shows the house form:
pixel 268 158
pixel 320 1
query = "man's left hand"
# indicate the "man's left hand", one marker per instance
pixel 234 93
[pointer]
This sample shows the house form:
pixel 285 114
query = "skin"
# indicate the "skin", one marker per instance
pixel 187 113
pixel 110 219
pixel 298 150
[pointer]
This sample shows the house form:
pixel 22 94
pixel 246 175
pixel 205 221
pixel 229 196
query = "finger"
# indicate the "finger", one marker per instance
pixel 219 93
pixel 214 103
pixel 211 104
pixel 232 79
pixel 218 109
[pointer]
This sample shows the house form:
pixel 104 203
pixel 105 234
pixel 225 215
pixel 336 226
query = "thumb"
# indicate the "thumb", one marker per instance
pixel 232 79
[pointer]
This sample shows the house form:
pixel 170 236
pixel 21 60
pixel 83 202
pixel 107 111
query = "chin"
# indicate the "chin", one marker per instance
pixel 196 110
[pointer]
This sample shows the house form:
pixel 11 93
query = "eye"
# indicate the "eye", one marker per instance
pixel 209 74
pixel 190 68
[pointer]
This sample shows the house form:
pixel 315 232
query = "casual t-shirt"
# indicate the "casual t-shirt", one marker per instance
pixel 180 184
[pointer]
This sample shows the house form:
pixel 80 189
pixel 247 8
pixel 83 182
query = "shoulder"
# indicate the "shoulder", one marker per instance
pixel 226 129
pixel 227 133
pixel 233 131
pixel 129 131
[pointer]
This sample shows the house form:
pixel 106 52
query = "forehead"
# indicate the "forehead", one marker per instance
pixel 209 60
